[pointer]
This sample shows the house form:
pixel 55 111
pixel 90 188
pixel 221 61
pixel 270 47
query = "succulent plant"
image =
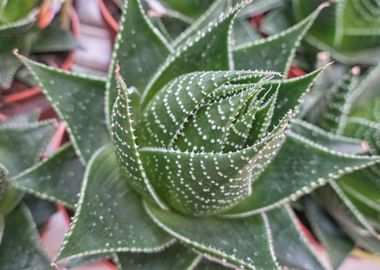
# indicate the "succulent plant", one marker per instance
pixel 347 107
pixel 190 152
pixel 18 30
pixel 349 30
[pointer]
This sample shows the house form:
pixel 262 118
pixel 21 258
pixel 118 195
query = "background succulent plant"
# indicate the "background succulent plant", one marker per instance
pixel 349 30
pixel 18 29
pixel 190 152
pixel 348 108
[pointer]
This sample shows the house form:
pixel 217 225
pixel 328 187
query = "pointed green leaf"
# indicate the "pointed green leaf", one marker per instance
pixel 207 129
pixel 263 119
pixel 300 166
pixel 22 145
pixel 20 247
pixel 246 241
pixel 15 22
pixel 126 147
pixel 139 50
pixel 290 247
pixel 77 100
pixel 57 178
pixel 208 50
pixel 331 33
pixel 205 183
pixel 211 14
pixel 291 93
pixel 241 129
pixel 260 54
pixel 170 110
pixel 345 218
pixel 110 216
pixel 175 256
pixel 336 242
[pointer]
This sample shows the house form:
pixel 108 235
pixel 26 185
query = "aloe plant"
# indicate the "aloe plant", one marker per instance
pixel 18 30
pixel 349 30
pixel 347 107
pixel 189 152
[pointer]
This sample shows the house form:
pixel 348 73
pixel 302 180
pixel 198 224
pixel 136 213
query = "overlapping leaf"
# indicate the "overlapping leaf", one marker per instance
pixel 290 247
pixel 57 178
pixel 204 183
pixel 20 247
pixel 300 166
pixel 208 50
pixel 15 21
pixel 124 139
pixel 77 100
pixel 110 216
pixel 259 54
pixel 291 93
pixel 139 50
pixel 246 242
pixel 336 242
pixel 347 220
pixel 167 114
pixel 213 12
pixel 22 145
pixel 347 29
pixel 208 128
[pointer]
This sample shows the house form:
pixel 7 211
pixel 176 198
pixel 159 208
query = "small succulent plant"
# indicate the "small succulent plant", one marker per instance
pixel 190 152
pixel 349 30
pixel 18 30
pixel 347 107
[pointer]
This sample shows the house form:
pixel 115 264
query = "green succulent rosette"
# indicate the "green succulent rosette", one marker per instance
pixel 190 152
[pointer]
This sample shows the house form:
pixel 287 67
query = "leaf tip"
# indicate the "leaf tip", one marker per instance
pixel 356 71
pixel 323 6
pixel 15 52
